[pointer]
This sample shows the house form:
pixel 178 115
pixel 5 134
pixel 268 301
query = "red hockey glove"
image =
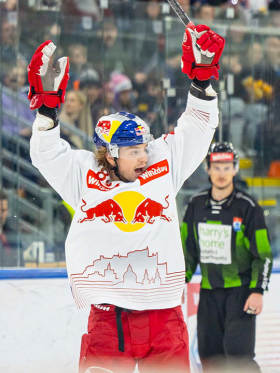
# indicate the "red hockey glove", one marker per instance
pixel 47 83
pixel 202 49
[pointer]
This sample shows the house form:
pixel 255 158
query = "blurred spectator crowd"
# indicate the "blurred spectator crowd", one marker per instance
pixel 122 52
pixel 125 56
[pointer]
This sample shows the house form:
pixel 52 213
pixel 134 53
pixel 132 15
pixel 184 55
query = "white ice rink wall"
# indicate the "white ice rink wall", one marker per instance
pixel 40 328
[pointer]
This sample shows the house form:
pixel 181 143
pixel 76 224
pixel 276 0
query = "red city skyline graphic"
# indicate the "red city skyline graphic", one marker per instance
pixel 119 268
pixel 116 268
pixel 135 275
pixel 111 276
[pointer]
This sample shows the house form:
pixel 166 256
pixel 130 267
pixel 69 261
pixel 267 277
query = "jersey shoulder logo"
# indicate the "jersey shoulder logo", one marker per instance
pixel 236 224
pixel 154 171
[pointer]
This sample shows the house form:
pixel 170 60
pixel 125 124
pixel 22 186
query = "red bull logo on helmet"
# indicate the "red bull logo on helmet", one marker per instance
pixel 104 126
pixel 129 211
pixel 140 130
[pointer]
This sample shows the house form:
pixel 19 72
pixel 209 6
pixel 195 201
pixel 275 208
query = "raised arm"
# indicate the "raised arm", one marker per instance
pixel 54 158
pixel 201 50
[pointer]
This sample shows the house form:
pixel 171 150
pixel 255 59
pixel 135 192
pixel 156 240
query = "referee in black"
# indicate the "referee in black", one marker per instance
pixel 224 231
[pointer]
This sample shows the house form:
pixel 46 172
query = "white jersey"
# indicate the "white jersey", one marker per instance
pixel 124 245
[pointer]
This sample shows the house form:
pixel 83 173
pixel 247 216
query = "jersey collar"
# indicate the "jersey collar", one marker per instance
pixel 226 203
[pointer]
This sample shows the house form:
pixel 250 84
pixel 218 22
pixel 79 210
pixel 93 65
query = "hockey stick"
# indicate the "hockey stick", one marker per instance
pixel 180 12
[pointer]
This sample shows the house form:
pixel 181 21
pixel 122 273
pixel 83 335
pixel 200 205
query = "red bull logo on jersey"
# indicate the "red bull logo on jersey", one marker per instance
pixel 154 171
pixel 108 211
pixel 129 211
pixel 100 180
pixel 236 224
pixel 148 210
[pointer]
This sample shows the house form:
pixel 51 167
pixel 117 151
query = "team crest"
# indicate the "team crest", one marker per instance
pixel 236 224
pixel 104 127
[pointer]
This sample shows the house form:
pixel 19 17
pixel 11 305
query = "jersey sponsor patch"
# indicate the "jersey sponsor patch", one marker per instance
pixel 236 224
pixel 221 157
pixel 99 180
pixel 154 171
pixel 215 243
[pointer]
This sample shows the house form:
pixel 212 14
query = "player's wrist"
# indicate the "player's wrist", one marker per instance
pixel 202 89
pixel 50 113
pixel 201 83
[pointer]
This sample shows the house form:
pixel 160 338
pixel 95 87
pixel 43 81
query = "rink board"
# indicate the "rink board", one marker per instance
pixel 41 328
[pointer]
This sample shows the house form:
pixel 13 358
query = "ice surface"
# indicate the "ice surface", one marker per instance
pixel 40 327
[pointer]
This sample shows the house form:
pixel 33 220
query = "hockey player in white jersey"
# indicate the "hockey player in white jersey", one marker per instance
pixel 123 250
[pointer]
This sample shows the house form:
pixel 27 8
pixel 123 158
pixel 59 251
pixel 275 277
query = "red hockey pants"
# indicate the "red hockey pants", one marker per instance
pixel 156 339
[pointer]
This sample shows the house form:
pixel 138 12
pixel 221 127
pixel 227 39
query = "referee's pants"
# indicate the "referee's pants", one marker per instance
pixel 226 334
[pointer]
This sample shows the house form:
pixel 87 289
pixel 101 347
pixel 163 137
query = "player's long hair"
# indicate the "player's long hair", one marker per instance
pixel 100 155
